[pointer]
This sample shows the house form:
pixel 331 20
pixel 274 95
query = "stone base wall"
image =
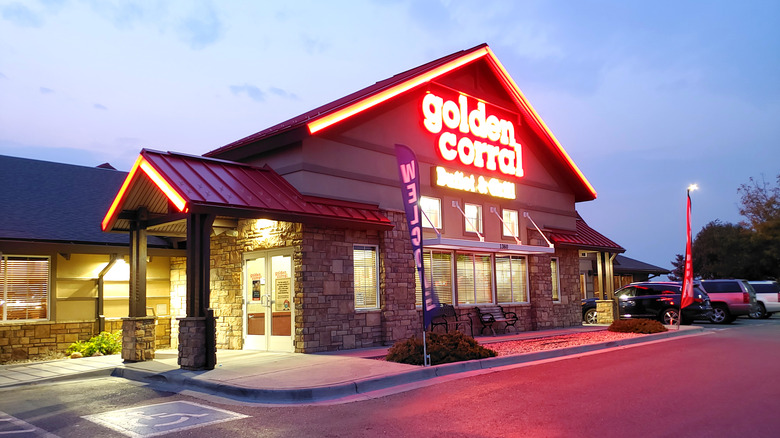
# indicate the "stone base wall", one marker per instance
pixel 192 345
pixel 162 330
pixel 138 337
pixel 40 340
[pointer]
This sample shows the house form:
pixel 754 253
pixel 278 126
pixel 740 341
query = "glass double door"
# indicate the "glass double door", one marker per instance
pixel 268 296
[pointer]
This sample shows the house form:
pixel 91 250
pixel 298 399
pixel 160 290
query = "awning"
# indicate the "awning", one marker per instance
pixel 477 246
pixel 585 238
pixel 170 185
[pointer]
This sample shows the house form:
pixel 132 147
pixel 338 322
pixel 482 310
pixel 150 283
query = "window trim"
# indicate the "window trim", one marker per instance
pixel 439 217
pixel 526 292
pixel 4 286
pixel 428 256
pixel 479 220
pixel 473 271
pixel 556 279
pixel 375 250
pixel 516 223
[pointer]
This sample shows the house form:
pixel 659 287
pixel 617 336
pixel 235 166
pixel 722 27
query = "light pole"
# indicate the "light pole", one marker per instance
pixel 686 291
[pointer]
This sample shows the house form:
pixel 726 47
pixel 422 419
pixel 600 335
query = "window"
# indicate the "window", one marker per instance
pixel 473 218
pixel 556 280
pixel 475 284
pixel 510 225
pixel 432 209
pixel 438 271
pixel 24 288
pixel 511 283
pixel 366 272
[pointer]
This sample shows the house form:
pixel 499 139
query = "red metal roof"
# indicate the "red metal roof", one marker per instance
pixel 585 238
pixel 162 181
pixel 334 112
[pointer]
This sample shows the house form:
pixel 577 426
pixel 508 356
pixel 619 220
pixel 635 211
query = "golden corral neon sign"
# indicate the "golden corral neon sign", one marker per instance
pixel 468 134
pixel 455 179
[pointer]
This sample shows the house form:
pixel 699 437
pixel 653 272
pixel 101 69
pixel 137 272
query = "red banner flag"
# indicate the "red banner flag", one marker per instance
pixel 687 283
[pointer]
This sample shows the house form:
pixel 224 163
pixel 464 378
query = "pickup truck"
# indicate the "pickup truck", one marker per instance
pixel 768 298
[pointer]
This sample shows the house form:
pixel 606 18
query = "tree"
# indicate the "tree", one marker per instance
pixel 724 250
pixel 760 205
pixel 679 268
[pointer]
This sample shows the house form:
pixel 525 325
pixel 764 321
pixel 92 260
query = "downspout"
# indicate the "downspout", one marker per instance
pixel 101 318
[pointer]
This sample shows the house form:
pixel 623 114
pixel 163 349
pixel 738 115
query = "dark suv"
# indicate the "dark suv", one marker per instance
pixel 655 300
pixel 730 299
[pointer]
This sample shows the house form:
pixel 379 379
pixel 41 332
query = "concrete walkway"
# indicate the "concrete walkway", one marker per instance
pixel 293 378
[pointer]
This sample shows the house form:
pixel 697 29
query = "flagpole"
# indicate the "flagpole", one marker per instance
pixel 686 291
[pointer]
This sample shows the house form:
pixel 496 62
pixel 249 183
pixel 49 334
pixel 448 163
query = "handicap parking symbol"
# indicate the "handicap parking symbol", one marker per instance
pixel 14 427
pixel 162 418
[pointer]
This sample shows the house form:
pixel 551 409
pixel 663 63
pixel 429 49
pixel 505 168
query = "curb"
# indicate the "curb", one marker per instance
pixel 188 380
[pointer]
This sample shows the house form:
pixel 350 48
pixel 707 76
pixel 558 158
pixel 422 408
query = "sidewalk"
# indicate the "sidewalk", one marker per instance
pixel 293 378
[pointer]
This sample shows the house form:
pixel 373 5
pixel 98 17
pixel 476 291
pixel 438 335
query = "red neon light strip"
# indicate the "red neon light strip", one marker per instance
pixel 521 100
pixel 122 191
pixel 163 185
pixel 391 92
pixel 158 180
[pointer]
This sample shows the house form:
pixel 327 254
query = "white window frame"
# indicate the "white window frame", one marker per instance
pixel 473 269
pixel 514 293
pixel 516 222
pixel 469 220
pixel 4 286
pixel 435 216
pixel 369 289
pixel 445 296
pixel 555 279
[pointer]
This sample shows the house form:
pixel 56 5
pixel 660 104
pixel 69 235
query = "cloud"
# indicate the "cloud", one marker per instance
pixel 253 92
pixel 123 15
pixel 201 28
pixel 99 106
pixel 2 76
pixel 45 90
pixel 21 15
pixel 283 93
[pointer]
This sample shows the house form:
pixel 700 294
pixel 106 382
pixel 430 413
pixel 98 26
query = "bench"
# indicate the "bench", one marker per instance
pixel 489 315
pixel 449 316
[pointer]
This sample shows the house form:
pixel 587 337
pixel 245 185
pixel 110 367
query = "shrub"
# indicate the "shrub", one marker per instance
pixel 443 348
pixel 638 325
pixel 104 343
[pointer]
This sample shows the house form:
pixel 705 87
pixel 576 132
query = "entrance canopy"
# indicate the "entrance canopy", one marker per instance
pixel 170 186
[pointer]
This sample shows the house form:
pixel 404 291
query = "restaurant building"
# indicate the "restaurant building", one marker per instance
pixel 296 235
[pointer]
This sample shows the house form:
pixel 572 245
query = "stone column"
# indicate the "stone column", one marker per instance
pixel 195 350
pixel 606 311
pixel 138 339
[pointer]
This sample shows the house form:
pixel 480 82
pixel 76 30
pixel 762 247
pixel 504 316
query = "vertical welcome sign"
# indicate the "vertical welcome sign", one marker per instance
pixel 409 173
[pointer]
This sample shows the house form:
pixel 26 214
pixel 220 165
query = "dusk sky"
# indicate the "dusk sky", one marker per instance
pixel 647 97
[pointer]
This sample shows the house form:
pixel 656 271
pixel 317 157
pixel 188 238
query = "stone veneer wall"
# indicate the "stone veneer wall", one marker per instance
pixel 38 340
pixel 178 293
pixel 398 273
pixel 323 300
pixel 226 272
pixel 327 318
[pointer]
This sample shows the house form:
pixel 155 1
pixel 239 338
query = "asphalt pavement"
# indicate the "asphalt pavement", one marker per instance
pixel 295 378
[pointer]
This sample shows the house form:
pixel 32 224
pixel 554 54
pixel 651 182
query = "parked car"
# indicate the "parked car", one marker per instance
pixel 767 298
pixel 730 299
pixel 654 300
